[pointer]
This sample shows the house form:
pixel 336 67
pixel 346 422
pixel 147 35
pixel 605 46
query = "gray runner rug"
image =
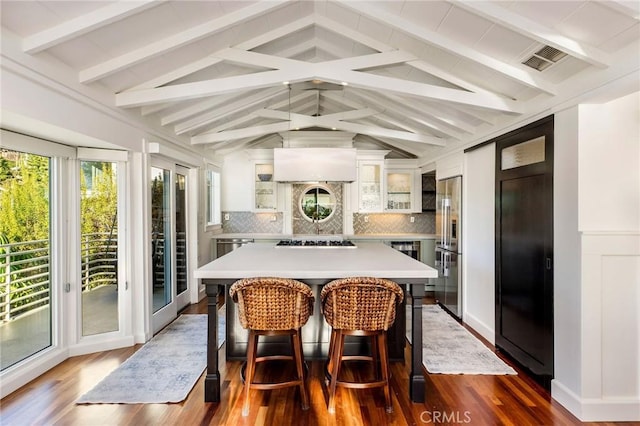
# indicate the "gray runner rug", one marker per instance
pixel 164 370
pixel 449 348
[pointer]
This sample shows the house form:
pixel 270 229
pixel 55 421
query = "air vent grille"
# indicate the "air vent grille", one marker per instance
pixel 544 58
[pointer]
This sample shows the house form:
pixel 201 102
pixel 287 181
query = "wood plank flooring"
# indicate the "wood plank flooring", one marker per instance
pixel 450 399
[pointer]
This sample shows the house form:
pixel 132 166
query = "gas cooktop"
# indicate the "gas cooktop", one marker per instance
pixel 316 243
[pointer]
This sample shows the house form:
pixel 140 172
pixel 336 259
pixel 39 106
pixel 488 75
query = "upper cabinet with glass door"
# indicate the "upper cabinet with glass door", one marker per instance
pixel 402 187
pixel 370 186
pixel 265 189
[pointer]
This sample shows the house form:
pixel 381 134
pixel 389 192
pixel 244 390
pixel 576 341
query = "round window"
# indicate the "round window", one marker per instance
pixel 317 203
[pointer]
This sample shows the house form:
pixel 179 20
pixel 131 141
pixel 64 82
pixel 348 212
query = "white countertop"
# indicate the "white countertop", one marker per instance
pixel 267 260
pixel 259 236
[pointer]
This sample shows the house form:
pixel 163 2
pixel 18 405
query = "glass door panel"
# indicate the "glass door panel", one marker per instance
pixel 181 230
pixel 99 246
pixel 25 270
pixel 161 237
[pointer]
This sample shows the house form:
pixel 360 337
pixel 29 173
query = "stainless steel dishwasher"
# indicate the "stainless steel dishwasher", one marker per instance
pixel 227 245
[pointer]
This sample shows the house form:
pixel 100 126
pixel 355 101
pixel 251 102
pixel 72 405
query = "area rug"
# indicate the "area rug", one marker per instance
pixel 449 348
pixel 164 370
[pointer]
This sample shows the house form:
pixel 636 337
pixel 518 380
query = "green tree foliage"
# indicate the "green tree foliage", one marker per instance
pixel 24 198
pixel 99 197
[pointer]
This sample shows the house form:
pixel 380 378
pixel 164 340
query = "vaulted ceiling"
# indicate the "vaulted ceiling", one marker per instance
pixel 414 76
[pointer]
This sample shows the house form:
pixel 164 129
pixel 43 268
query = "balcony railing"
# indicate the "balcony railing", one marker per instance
pixel 25 271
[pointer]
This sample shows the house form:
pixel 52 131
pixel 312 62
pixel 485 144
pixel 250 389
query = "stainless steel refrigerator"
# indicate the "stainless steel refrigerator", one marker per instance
pixel 448 285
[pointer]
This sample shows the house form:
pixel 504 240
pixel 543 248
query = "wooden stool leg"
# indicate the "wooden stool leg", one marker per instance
pixel 251 364
pixel 332 346
pixel 384 360
pixel 297 351
pixel 336 360
pixel 375 351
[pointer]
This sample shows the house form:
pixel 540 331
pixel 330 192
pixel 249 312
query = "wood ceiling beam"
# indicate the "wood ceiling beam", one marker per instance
pixel 418 32
pixel 531 29
pixel 175 41
pixel 84 24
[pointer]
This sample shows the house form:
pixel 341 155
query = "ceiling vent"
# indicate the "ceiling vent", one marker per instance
pixel 544 58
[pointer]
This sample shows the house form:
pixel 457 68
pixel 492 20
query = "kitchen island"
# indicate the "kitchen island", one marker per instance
pixel 315 266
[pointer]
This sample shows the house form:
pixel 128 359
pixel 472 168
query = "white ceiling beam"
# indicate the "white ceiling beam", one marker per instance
pixel 152 109
pixel 256 59
pixel 85 23
pixel 536 31
pixel 300 71
pixel 201 89
pixel 211 60
pixel 421 33
pixel 254 131
pixel 227 109
pixel 371 61
pixel 448 77
pixel 299 121
pixel 168 44
pixel 388 118
pixel 395 85
pixel 410 147
pixel 278 62
pixel 400 105
pixel 358 37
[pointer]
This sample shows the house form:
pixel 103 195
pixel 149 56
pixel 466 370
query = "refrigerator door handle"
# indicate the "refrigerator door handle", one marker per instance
pixel 445 264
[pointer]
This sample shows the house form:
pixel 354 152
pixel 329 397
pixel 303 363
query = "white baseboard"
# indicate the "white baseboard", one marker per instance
pixel 596 410
pixel 19 375
pixel 480 327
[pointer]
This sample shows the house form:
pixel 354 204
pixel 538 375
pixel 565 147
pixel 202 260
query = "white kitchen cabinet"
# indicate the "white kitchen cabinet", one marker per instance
pixel 370 184
pixel 402 190
pixel 265 189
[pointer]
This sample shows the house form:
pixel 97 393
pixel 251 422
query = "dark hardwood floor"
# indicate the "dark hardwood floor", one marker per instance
pixel 450 399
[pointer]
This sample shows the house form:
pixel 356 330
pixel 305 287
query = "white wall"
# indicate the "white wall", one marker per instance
pixel 478 251
pixel 597 282
pixel 567 246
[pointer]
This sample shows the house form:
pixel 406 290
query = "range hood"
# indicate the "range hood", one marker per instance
pixel 314 164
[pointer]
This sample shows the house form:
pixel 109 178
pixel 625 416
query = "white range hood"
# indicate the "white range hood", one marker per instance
pixel 314 164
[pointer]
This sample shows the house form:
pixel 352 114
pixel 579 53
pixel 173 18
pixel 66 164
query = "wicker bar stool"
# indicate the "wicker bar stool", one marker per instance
pixel 360 306
pixel 269 307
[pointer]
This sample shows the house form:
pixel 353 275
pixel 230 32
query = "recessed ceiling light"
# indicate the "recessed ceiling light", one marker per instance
pixel 344 83
pixel 285 82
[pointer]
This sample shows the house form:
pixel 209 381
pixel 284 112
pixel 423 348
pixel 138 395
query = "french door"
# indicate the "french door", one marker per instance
pixel 169 242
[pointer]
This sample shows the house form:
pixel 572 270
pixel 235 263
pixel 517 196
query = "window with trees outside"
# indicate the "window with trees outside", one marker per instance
pixel 25 268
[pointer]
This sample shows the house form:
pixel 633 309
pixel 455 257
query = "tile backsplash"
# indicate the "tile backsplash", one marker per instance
pixel 394 223
pixel 249 222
